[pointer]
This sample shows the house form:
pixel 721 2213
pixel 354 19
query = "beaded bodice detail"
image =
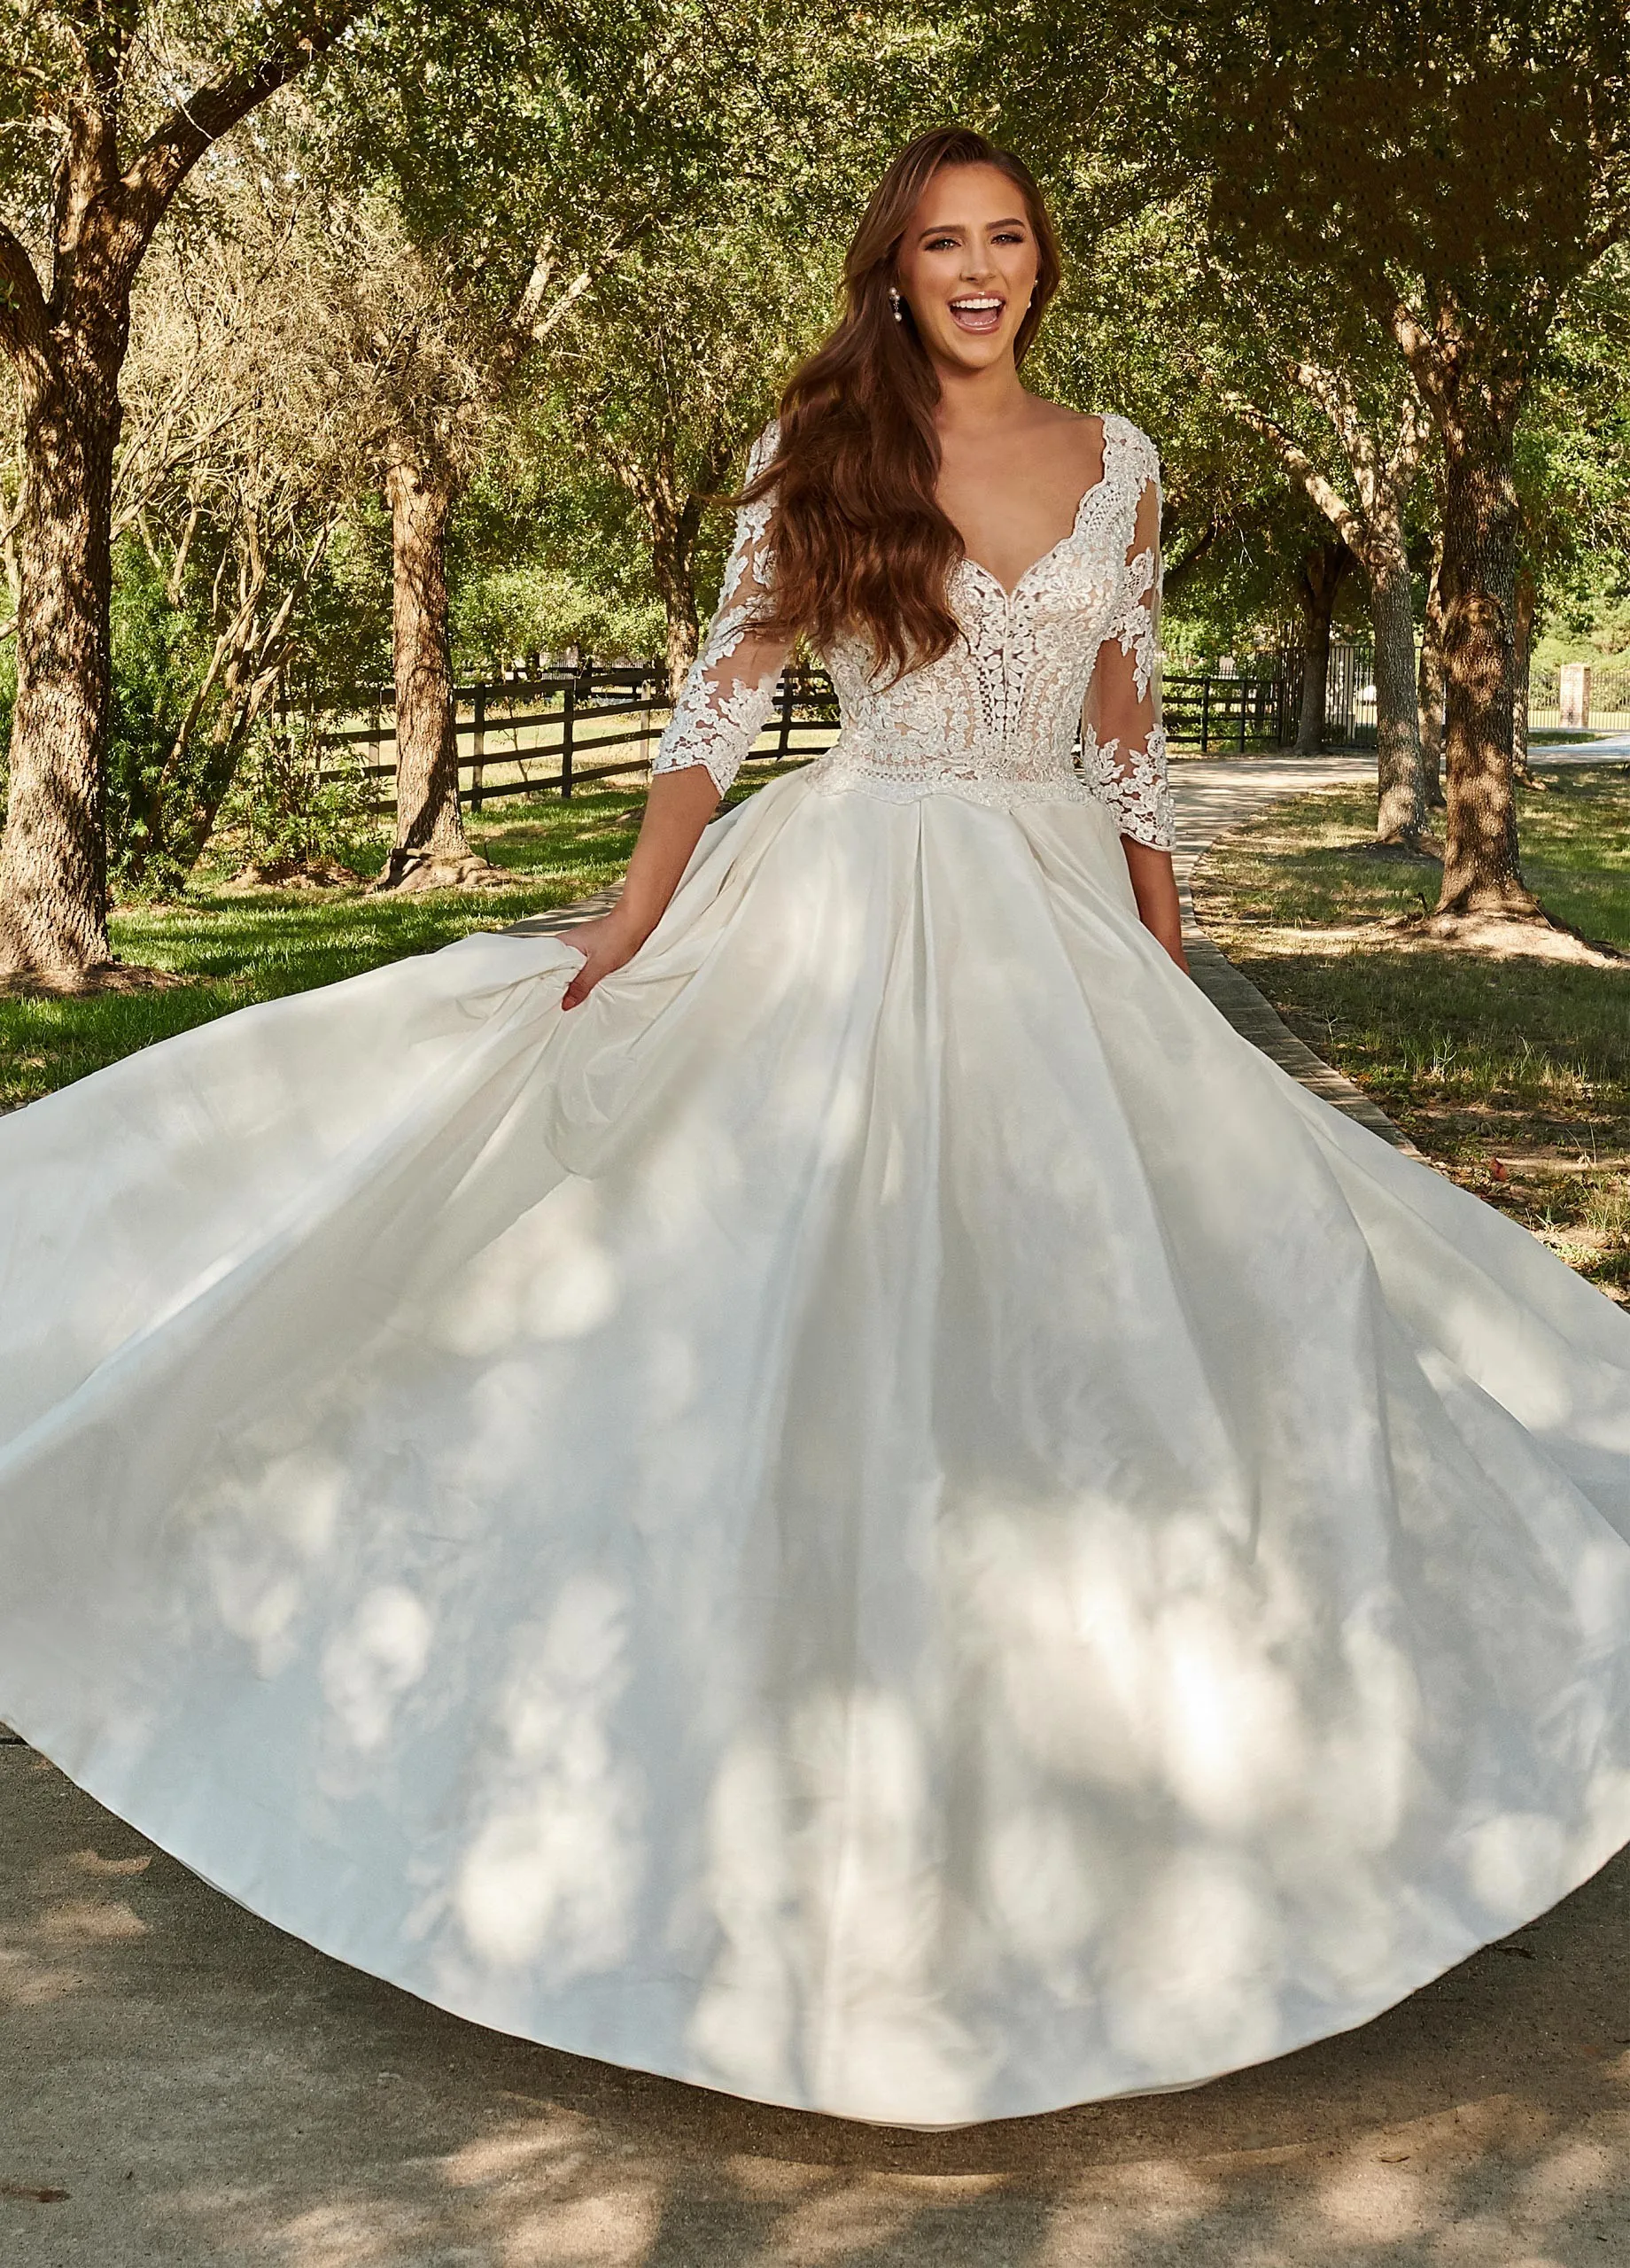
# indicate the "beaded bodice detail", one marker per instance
pixel 1021 711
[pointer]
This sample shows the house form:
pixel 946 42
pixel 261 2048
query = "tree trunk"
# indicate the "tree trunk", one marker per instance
pixel 1400 801
pixel 1527 605
pixel 1430 687
pixel 53 862
pixel 1316 586
pixel 673 565
pixel 684 636
pixel 432 851
pixel 1481 870
pixel 67 338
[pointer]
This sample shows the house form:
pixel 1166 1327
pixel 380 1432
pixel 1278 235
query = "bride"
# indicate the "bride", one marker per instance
pixel 827 1486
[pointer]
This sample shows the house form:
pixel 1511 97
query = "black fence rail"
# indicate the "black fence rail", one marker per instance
pixel 565 729
pixel 1227 712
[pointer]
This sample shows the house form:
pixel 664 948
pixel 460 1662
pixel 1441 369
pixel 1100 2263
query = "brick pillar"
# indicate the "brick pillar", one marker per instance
pixel 1575 694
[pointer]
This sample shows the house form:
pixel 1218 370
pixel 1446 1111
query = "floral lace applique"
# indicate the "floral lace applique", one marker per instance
pixel 1134 622
pixel 724 703
pixel 1134 786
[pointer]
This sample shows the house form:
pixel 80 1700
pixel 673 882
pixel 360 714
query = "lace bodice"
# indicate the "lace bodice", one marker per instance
pixel 1052 696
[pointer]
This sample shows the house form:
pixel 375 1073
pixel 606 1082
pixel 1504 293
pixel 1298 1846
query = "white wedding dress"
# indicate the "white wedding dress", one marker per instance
pixel 886 1517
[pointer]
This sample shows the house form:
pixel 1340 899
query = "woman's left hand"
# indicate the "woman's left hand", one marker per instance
pixel 606 944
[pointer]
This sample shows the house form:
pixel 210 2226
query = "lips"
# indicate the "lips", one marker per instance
pixel 978 312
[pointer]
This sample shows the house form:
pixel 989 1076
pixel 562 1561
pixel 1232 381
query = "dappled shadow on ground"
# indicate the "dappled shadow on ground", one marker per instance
pixel 1506 1057
pixel 208 2090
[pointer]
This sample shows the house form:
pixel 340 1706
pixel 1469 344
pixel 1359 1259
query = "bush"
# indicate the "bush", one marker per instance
pixel 156 663
pixel 280 807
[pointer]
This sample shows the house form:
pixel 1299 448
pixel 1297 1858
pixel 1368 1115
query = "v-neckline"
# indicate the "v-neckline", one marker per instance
pixel 1053 551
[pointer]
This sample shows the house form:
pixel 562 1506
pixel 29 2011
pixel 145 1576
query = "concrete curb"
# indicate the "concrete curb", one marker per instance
pixel 1210 809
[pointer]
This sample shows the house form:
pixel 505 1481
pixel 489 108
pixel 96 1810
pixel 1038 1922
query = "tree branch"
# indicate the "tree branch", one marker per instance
pixel 530 321
pixel 200 120
pixel 1176 571
pixel 24 324
pixel 1348 524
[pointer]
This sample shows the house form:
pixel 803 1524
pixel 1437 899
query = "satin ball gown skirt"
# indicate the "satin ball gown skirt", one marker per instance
pixel 886 1517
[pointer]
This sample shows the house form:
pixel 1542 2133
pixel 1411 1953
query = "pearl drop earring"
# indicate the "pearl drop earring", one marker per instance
pixel 894 301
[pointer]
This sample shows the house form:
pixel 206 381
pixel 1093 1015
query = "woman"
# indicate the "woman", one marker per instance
pixel 880 1514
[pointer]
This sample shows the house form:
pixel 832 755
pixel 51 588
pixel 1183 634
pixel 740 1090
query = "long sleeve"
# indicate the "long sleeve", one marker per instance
pixel 730 690
pixel 1123 744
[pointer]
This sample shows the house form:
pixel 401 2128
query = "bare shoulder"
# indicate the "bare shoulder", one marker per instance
pixel 1077 436
pixel 1099 421
pixel 1057 416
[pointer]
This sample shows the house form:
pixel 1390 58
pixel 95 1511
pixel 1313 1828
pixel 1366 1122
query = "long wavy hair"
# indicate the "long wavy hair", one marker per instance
pixel 861 546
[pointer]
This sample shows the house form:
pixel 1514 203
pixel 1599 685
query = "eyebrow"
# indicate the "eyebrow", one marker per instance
pixel 955 228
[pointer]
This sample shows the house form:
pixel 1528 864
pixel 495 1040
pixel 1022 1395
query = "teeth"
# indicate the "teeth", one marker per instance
pixel 975 307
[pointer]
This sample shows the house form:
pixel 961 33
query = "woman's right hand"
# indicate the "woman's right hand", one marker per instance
pixel 606 944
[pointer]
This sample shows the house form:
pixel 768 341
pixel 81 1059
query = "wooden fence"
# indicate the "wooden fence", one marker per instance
pixel 1241 713
pixel 567 729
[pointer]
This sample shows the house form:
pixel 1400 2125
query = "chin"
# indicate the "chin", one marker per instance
pixel 975 353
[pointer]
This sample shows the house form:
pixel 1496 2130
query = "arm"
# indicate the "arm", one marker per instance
pixel 1123 747
pixel 728 695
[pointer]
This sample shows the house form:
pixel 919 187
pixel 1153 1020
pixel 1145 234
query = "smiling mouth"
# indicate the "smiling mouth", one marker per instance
pixel 981 313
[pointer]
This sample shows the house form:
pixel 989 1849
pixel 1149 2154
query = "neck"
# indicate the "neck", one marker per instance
pixel 972 400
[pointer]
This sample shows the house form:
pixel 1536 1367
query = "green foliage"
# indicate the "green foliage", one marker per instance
pixel 281 806
pixel 681 178
pixel 545 551
pixel 1136 331
pixel 156 663
pixel 511 612
pixel 1573 471
pixel 342 635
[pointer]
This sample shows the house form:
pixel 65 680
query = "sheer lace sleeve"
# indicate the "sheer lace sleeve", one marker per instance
pixel 731 688
pixel 1123 746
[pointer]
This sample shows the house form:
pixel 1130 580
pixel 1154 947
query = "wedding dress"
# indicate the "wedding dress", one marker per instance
pixel 886 1517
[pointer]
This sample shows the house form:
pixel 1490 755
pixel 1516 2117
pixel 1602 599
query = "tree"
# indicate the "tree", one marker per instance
pixel 439 366
pixel 1459 184
pixel 529 155
pixel 1315 381
pixel 1572 465
pixel 678 358
pixel 1122 336
pixel 99 147
pixel 1317 584
pixel 1380 435
pixel 249 419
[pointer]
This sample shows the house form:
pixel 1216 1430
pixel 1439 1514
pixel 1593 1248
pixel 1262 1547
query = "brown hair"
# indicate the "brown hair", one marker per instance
pixel 860 545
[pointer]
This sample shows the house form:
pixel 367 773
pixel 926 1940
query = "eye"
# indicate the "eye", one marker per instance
pixel 1010 237
pixel 940 243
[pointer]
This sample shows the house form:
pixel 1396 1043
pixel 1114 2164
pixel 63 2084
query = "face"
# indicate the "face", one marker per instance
pixel 968 265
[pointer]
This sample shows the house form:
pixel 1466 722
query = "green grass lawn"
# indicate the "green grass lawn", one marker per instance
pixel 1511 1073
pixel 237 949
